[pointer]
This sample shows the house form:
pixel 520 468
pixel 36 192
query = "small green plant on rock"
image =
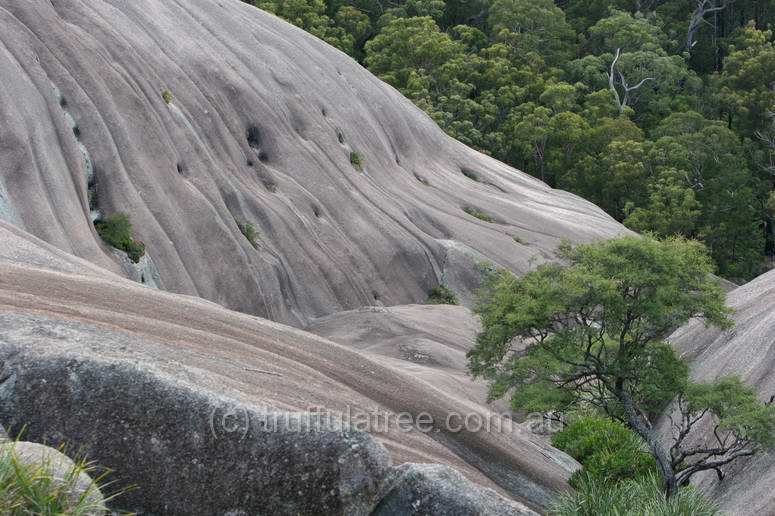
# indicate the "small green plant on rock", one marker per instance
pixel 116 231
pixel 441 295
pixel 356 160
pixel 249 232
pixel 167 96
pixel 479 214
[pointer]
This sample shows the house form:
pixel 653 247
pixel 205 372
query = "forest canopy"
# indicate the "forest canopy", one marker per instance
pixel 661 112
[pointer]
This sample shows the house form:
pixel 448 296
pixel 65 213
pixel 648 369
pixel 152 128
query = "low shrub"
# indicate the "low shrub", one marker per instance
pixel 249 232
pixel 608 450
pixel 116 231
pixel 356 160
pixel 643 496
pixel 441 295
pixel 479 214
pixel 167 96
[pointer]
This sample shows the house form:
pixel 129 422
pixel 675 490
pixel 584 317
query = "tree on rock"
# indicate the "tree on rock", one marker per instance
pixel 590 332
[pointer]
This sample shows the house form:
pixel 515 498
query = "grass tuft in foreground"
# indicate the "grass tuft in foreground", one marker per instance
pixel 643 496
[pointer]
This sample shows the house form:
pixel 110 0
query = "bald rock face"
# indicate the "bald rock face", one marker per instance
pixel 261 124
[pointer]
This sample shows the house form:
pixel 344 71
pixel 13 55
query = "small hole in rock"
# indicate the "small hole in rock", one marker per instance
pixel 254 137
pixel 470 174
pixel 142 278
pixel 422 179
pixel 324 112
pixel 263 157
pixel 340 136
pixel 77 132
pixel 62 102
pixel 250 163
pixel 376 296
pixel 180 168
pixel 316 211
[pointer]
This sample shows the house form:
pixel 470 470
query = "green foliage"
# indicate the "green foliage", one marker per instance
pixel 533 26
pixel 589 332
pixel 746 81
pixel 635 289
pixel 721 208
pixel 311 16
pixel 116 231
pixel 356 160
pixel 479 214
pixel 643 496
pixel 407 47
pixel 248 230
pixel 736 407
pixel 167 96
pixel 608 450
pixel 441 295
pixel 32 489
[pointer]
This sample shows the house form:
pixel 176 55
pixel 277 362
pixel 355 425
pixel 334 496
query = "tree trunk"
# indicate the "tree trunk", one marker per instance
pixel 643 429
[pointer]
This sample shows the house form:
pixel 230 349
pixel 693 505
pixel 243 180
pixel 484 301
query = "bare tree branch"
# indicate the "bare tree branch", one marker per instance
pixel 622 102
pixel 701 10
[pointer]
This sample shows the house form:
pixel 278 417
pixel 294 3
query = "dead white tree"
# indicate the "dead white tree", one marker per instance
pixel 615 76
pixel 701 10
pixel 767 138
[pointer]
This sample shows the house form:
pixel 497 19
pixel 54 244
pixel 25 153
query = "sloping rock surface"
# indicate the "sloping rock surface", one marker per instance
pixel 427 341
pixel 138 377
pixel 260 129
pixel 748 351
pixel 421 489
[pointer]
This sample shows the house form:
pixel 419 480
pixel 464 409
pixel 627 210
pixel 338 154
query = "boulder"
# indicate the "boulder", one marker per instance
pixel 186 450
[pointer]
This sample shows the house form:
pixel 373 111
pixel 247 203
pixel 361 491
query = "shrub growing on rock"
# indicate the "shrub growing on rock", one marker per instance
pixel 249 232
pixel 479 214
pixel 116 231
pixel 356 160
pixel 441 295
pixel 607 449
pixel 167 96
